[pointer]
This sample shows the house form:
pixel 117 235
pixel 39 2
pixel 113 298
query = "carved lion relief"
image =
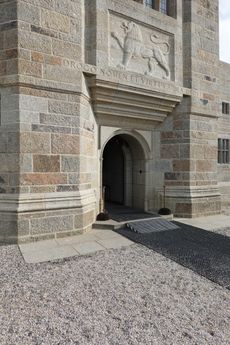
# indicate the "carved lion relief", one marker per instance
pixel 133 46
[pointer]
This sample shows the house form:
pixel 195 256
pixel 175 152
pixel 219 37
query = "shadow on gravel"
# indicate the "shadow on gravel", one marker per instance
pixel 204 252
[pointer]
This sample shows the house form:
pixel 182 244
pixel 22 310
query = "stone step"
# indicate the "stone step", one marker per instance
pixel 114 225
pixel 105 225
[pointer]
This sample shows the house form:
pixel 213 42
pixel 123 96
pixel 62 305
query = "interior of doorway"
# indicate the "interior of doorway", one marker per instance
pixel 124 172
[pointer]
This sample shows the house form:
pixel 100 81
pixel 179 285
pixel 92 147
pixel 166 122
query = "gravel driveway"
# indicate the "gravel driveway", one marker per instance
pixel 118 297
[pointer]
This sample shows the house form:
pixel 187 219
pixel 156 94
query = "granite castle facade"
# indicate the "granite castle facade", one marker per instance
pixel 126 95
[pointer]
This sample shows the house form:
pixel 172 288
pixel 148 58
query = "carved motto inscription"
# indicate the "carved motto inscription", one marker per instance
pixel 126 77
pixel 139 49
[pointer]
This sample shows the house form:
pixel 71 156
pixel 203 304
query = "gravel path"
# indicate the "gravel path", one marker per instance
pixel 206 253
pixel 118 297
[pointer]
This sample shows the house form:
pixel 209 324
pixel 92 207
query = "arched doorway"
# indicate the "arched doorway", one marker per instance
pixel 124 171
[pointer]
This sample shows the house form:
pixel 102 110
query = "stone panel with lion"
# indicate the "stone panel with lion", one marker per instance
pixel 140 48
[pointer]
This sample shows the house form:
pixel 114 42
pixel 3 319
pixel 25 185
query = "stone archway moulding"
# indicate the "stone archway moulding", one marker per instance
pixel 134 134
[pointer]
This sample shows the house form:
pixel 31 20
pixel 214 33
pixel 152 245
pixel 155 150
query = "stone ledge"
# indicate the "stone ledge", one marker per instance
pixel 47 201
pixel 191 192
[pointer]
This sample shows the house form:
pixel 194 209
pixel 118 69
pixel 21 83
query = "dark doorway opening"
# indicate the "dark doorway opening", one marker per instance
pixel 124 177
pixel 113 171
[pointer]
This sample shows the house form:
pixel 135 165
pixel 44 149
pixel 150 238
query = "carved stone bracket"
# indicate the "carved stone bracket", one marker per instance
pixel 116 102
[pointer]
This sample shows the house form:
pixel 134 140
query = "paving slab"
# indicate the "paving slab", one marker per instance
pixel 88 247
pixel 60 248
pixel 55 253
pixel 38 246
pixel 105 234
pixel 115 243
pixel 77 239
pixel 211 223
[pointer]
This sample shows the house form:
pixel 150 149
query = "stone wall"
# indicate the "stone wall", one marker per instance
pixel 56 152
pixel 224 132
pixel 59 143
pixel 9 114
pixel 186 160
pixel 193 136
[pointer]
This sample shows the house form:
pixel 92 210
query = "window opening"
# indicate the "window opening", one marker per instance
pixel 225 108
pixel 223 151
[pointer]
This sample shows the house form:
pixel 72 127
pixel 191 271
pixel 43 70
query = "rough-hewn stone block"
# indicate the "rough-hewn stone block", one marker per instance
pixel 66 49
pixel 30 68
pixel 70 163
pixel 65 144
pixel 35 143
pixel 2 68
pixel 36 104
pixel 46 163
pixel 29 13
pixel 43 178
pixel 35 42
pixel 26 163
pixel 61 74
pixel 60 120
pixel 3 142
pixel 37 57
pixel 50 129
pixel 9 162
pixel 8 12
pixel 169 151
pixel 55 21
pixel 182 165
pixel 205 165
pixel 60 107
pixel 51 224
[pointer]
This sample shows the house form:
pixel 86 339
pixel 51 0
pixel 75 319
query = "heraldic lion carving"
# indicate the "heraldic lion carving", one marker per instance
pixel 133 47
